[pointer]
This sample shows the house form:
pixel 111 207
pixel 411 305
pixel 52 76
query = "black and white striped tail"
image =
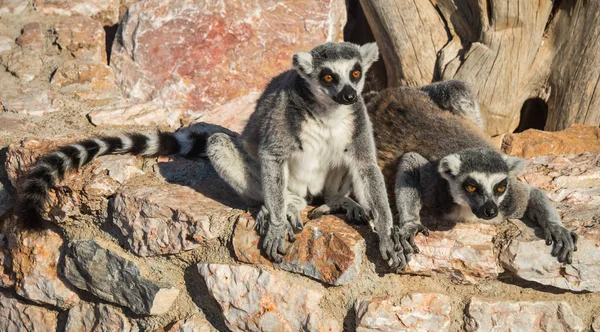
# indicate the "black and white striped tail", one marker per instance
pixel 52 167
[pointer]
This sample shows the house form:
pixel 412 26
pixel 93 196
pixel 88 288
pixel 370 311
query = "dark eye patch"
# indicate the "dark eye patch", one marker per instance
pixel 473 183
pixel 358 67
pixel 326 71
pixel 503 183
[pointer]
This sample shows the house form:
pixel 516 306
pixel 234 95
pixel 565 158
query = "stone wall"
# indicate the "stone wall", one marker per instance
pixel 164 245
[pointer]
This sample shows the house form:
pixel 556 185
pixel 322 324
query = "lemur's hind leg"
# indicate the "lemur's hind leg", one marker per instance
pixel 408 202
pixel 235 166
pixel 456 97
pixel 336 193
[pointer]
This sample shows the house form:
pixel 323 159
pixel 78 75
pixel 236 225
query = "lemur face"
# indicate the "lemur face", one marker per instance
pixel 335 72
pixel 478 178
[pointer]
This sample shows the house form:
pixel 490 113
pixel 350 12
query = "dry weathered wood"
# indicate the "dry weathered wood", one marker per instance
pixel 509 51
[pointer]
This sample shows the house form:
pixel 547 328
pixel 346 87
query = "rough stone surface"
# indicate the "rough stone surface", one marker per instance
pixel 596 324
pixel 86 317
pixel 173 50
pixel 521 316
pixel 234 114
pixel 87 80
pixel 168 219
pixel 6 44
pixel 256 300
pixel 195 323
pixel 16 316
pixel 6 200
pixel 327 249
pixel 32 37
pixel 12 6
pixel 413 312
pixel 105 11
pixel 531 143
pixel 35 264
pixel 82 37
pixel 104 270
pixel 148 114
pixel 24 63
pixel 33 101
pixel 465 253
pixel 6 276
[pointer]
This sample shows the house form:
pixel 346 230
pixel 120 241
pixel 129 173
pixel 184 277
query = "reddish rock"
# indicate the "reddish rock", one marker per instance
pixel 24 63
pixel 465 253
pixel 33 101
pixel 413 312
pixel 207 53
pixel 86 317
pixel 256 300
pixel 143 114
pixel 327 249
pixel 82 37
pixel 575 140
pixel 234 114
pixel 12 6
pixel 16 316
pixel 35 258
pixel 32 36
pixel 521 316
pixel 196 323
pixel 6 276
pixel 104 11
pixel 6 44
pixel 169 219
pixel 87 80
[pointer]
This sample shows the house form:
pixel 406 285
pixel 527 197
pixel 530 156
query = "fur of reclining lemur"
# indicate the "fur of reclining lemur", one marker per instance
pixel 438 163
pixel 310 136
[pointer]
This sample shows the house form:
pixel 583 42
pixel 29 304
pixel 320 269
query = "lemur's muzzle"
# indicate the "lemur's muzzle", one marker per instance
pixel 487 211
pixel 347 96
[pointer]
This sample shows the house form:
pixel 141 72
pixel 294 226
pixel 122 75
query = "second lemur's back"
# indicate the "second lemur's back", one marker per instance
pixel 407 120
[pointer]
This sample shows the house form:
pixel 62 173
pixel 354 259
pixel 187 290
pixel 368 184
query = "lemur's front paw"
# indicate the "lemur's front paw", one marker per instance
pixel 565 242
pixel 274 242
pixel 391 256
pixel 404 240
pixel 293 216
pixel 355 213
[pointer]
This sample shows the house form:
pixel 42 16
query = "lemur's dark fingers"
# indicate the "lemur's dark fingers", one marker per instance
pixel 411 241
pixel 402 262
pixel 407 248
pixel 291 235
pixel 296 222
pixel 422 229
pixel 567 248
pixel 558 245
pixel 395 260
pixel 548 236
pixel 396 238
pixel 281 247
pixel 575 238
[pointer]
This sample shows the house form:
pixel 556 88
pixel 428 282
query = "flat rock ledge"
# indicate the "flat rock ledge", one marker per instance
pixel 103 269
pixel 465 253
pixel 521 316
pixel 256 300
pixel 16 316
pixel 86 317
pixel 328 249
pixel 413 312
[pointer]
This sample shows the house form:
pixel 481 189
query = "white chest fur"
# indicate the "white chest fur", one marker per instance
pixel 323 143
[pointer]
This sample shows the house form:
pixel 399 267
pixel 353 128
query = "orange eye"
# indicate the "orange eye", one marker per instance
pixel 471 189
pixel 501 189
pixel 328 78
pixel 356 74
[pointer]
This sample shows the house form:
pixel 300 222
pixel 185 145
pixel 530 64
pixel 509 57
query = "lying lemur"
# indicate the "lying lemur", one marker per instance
pixel 440 164
pixel 309 136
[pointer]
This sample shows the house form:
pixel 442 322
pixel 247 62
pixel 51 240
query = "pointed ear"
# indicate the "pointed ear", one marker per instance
pixel 369 54
pixel 515 165
pixel 303 62
pixel 449 166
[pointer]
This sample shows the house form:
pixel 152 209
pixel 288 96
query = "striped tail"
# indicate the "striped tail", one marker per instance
pixel 51 168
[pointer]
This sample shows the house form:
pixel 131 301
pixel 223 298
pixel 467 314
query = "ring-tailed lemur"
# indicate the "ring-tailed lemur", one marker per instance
pixel 309 136
pixel 441 165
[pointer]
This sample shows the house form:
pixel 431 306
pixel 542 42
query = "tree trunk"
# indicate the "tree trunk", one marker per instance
pixel 510 51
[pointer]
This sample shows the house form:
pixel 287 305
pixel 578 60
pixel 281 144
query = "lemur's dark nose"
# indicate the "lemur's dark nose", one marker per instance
pixel 347 96
pixel 350 96
pixel 490 212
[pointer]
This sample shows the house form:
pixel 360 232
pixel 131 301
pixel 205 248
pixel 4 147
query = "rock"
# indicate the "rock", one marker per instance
pixel 6 43
pixel 35 259
pixel 105 270
pixel 566 178
pixel 234 114
pixel 256 300
pixel 12 6
pixel 24 63
pixel 328 249
pixel 465 253
pixel 413 312
pixel 596 324
pixel 6 200
pixel 33 101
pixel 32 37
pixel 196 323
pixel 104 11
pixel 87 80
pixel 83 38
pixel 16 316
pixel 7 279
pixel 574 140
pixel 521 316
pixel 173 50
pixel 529 258
pixel 85 190
pixel 144 114
pixel 86 317
pixel 169 219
